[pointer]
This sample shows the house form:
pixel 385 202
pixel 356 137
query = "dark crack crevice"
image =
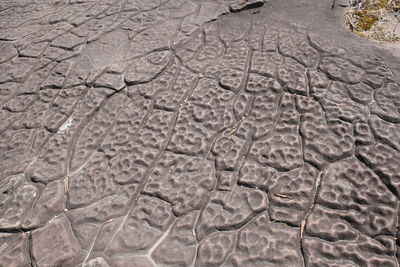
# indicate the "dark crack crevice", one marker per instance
pixel 30 250
pixel 245 5
pixel 16 230
pixel 253 4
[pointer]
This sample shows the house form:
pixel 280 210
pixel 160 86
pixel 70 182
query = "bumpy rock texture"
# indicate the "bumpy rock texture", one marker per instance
pixel 195 133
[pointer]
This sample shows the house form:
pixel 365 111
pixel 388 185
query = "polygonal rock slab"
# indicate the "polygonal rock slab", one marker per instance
pixel 258 244
pixel 230 210
pixel 291 194
pixel 64 249
pixel 14 250
pixel 145 224
pixel 181 180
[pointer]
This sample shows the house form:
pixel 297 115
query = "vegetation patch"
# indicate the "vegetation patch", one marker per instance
pixel 374 19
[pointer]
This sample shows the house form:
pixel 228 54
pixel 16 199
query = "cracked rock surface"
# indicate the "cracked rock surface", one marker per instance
pixel 195 133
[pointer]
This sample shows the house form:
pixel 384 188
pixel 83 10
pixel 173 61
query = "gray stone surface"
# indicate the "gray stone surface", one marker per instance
pixel 195 133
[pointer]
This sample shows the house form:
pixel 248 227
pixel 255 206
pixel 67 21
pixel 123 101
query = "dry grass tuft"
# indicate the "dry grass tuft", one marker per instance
pixel 370 19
